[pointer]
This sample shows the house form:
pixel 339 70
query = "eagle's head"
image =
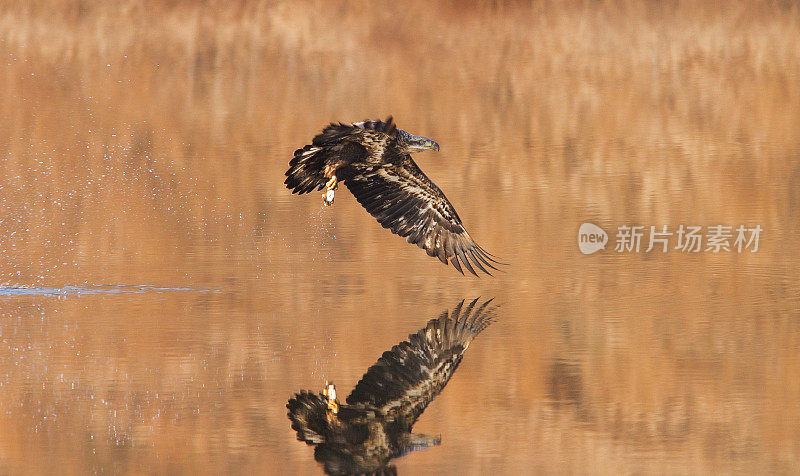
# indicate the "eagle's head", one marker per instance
pixel 409 143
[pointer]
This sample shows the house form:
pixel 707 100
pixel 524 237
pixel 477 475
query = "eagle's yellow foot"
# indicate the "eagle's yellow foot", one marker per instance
pixel 333 183
pixel 329 392
pixel 330 187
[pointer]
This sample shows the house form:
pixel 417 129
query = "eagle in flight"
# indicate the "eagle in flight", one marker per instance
pixel 373 159
pixel 374 425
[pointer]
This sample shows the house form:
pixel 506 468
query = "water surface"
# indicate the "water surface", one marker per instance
pixel 163 295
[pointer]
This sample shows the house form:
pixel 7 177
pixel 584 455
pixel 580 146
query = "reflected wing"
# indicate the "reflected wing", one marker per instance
pixel 404 200
pixel 407 378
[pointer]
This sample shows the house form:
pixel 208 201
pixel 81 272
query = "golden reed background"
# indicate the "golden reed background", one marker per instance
pixel 144 142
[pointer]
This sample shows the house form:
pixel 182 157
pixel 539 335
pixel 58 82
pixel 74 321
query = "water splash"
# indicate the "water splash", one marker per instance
pixel 323 232
pixel 92 289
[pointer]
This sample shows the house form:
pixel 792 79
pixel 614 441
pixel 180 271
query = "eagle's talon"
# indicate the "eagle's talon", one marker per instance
pixel 329 392
pixel 327 197
pixel 330 187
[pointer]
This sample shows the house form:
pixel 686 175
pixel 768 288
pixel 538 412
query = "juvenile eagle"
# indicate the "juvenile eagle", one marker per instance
pixel 374 425
pixel 373 159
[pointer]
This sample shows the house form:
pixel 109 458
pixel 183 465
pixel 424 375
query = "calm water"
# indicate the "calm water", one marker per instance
pixel 162 294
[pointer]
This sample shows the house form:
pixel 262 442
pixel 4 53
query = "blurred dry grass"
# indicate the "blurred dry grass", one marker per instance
pixel 144 142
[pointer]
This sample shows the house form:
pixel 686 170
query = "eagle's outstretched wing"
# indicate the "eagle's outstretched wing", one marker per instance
pixel 407 378
pixel 405 200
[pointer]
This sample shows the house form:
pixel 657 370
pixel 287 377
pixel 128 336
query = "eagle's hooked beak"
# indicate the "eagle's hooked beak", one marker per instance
pixel 423 143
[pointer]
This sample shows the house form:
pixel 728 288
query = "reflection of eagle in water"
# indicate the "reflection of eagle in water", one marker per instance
pixel 373 159
pixel 375 425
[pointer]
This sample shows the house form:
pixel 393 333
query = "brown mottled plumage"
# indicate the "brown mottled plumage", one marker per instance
pixel 374 426
pixel 373 159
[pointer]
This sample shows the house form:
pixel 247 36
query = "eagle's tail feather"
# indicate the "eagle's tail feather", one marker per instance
pixel 306 170
pixel 307 412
